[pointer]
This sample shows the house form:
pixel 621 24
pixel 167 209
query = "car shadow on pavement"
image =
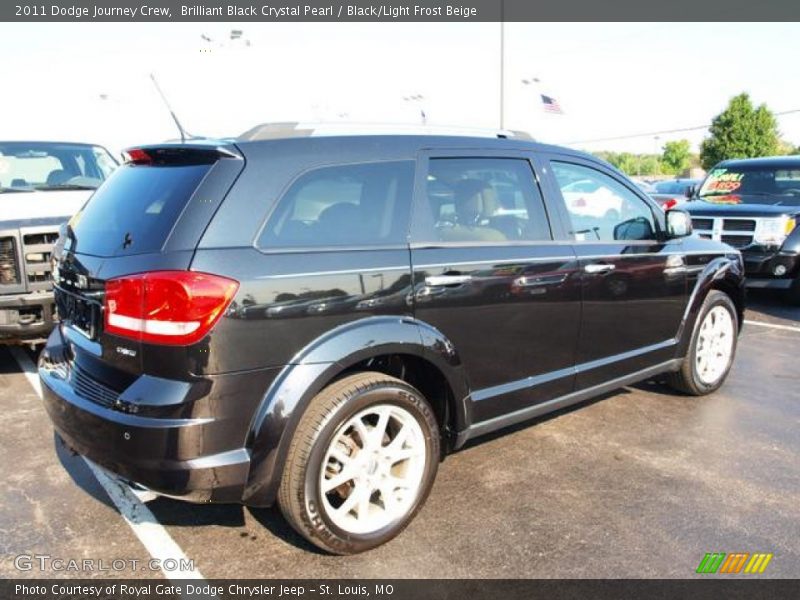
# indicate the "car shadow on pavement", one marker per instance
pixel 773 304
pixel 166 510
pixel 272 520
pixel 175 513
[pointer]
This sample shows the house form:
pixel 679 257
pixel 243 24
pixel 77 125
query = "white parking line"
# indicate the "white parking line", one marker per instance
pixel 141 520
pixel 772 325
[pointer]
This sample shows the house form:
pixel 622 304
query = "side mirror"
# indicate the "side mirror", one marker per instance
pixel 679 223
pixel 691 191
pixel 638 228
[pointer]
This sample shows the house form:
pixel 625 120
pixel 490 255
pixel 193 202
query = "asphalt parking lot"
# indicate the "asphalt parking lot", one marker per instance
pixel 638 483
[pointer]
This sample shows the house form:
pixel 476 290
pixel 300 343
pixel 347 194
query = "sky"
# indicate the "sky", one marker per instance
pixel 91 82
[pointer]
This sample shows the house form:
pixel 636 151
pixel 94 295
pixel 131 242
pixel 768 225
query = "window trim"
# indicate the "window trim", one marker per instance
pixel 421 232
pixel 580 161
pixel 279 249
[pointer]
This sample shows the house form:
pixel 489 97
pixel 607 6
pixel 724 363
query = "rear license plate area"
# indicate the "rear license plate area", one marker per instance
pixel 83 314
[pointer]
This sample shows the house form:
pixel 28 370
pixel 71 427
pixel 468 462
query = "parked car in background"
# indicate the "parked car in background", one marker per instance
pixel 672 192
pixel 454 290
pixel 645 186
pixel 754 205
pixel 587 197
pixel 42 184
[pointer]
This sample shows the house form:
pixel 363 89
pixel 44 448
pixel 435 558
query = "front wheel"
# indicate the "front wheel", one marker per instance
pixel 361 463
pixel 711 349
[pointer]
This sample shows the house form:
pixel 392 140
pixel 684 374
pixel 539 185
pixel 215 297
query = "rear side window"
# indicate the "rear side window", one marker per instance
pixel 344 205
pixel 484 200
pixel 134 211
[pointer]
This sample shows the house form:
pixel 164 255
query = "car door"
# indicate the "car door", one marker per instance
pixel 633 278
pixel 488 274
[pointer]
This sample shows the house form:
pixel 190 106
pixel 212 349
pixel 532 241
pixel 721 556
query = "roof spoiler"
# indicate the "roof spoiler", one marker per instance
pixel 178 154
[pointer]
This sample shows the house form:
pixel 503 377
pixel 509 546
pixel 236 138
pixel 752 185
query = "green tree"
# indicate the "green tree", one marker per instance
pixel 740 131
pixel 677 157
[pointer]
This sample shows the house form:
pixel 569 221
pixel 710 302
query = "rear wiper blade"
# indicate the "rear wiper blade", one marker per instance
pixel 13 190
pixel 65 186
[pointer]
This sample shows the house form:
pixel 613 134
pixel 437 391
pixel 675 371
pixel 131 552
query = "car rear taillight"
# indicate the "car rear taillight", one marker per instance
pixel 166 307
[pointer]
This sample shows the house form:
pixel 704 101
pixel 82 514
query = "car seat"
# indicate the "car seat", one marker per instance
pixel 475 205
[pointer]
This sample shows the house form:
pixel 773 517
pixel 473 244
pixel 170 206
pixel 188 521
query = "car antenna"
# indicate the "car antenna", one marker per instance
pixel 183 132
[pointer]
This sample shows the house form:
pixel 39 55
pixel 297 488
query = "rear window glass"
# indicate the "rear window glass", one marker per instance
pixel 345 205
pixel 134 211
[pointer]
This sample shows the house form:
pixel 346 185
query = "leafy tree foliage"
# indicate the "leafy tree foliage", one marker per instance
pixel 677 157
pixel 741 131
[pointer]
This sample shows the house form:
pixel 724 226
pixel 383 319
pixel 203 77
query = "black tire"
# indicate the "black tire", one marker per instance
pixel 300 496
pixel 686 379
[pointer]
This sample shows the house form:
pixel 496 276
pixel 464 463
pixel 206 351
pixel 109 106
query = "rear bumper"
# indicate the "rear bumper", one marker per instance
pixel 26 318
pixel 190 455
pixel 118 442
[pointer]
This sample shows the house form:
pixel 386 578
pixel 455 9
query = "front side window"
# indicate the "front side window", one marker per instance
pixel 484 200
pixel 344 205
pixel 600 208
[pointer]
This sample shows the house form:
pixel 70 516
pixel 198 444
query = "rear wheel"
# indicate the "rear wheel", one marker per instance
pixel 361 463
pixel 711 349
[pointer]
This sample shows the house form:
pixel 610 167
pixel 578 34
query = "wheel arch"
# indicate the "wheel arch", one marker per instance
pixel 420 352
pixel 724 274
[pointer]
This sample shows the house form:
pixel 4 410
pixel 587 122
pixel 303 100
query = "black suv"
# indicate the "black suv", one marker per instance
pixel 754 205
pixel 318 320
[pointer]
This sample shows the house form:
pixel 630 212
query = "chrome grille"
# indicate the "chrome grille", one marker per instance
pixel 739 224
pixel 9 274
pixel 89 388
pixel 704 224
pixel 737 241
pixel 735 231
pixel 37 250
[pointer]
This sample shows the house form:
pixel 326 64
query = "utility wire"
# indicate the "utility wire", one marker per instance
pixel 666 131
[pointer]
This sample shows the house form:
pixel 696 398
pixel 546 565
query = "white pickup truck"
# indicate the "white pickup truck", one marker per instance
pixel 42 184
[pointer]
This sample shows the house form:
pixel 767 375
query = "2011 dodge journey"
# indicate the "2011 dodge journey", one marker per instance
pixel 317 320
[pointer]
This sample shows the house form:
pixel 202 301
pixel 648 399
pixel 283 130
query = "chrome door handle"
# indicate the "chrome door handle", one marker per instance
pixel 436 280
pixel 599 268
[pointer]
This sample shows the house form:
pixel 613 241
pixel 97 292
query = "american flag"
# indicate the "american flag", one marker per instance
pixel 551 105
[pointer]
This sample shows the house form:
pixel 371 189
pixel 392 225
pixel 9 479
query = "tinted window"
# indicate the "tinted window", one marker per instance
pixel 345 205
pixel 134 211
pixel 610 211
pixel 484 200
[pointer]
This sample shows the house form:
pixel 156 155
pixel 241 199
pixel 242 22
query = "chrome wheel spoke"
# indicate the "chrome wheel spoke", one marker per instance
pixel 379 431
pixel 349 502
pixel 337 480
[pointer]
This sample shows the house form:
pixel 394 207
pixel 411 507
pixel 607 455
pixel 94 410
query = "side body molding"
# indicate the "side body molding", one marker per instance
pixel 320 362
